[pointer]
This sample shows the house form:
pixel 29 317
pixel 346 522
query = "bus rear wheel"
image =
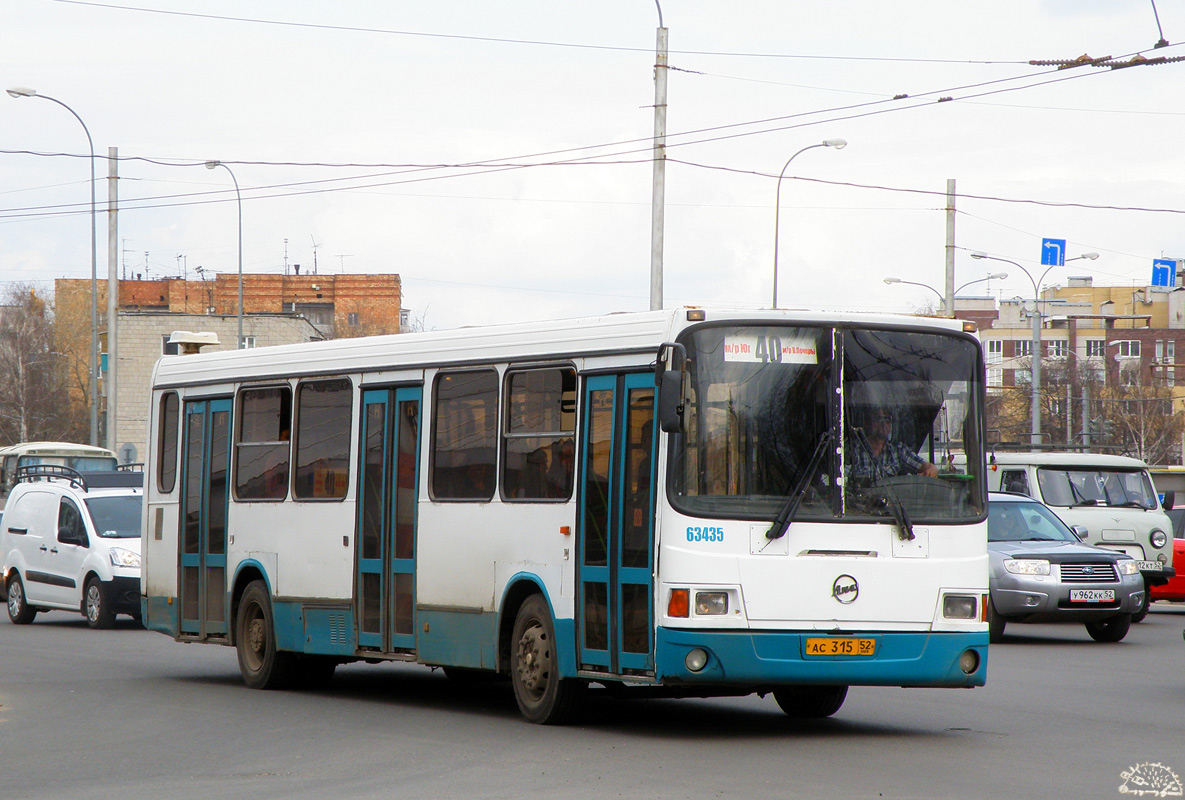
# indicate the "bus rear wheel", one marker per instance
pixel 543 696
pixel 810 702
pixel 261 664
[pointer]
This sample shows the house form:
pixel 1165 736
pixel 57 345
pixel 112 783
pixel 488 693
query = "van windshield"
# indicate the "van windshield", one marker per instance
pixel 1093 486
pixel 116 517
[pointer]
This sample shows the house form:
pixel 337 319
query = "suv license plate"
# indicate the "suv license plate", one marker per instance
pixel 1092 595
pixel 840 646
pixel 1149 566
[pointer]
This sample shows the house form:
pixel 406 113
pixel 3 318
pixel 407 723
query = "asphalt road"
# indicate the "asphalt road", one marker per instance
pixel 130 714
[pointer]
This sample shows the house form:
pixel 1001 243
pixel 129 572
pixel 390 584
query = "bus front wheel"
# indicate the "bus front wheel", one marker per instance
pixel 810 702
pixel 261 664
pixel 543 696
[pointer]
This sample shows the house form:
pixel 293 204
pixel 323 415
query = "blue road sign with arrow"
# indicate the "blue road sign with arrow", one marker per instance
pixel 1053 252
pixel 1164 272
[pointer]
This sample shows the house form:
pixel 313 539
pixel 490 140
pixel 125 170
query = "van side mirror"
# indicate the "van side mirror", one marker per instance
pixel 67 535
pixel 669 369
pixel 1169 502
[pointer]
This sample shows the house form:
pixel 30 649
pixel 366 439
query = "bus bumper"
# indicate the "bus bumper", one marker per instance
pixel 772 658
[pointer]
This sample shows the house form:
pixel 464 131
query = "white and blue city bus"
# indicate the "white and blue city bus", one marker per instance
pixel 671 502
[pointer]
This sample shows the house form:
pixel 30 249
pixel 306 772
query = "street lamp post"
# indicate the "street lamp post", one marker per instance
pixel 93 370
pixel 1035 401
pixel 838 144
pixel 239 199
pixel 994 276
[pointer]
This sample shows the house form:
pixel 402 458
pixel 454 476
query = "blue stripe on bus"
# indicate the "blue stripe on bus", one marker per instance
pixel 770 658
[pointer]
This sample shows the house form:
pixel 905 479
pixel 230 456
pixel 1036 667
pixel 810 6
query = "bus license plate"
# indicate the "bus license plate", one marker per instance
pixel 840 646
pixel 1092 595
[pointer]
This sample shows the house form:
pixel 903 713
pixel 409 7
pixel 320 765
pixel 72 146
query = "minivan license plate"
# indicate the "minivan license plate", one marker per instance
pixel 1149 566
pixel 1092 595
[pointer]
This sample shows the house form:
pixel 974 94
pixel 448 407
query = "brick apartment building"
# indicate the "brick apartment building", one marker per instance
pixel 277 309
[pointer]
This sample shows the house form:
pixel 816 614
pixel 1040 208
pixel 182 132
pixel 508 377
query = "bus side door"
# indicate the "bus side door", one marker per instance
pixel 386 553
pixel 206 474
pixel 616 525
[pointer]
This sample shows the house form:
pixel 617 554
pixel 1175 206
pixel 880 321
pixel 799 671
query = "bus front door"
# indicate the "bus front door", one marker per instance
pixel 203 513
pixel 386 552
pixel 615 617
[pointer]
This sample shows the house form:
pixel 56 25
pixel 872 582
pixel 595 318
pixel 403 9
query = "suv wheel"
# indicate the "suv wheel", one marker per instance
pixel 19 610
pixel 95 605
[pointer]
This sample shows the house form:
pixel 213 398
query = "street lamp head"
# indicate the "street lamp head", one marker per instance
pixel 213 164
pixel 980 255
pixel 838 144
pixel 997 276
pixel 1091 256
pixel 892 280
pixel 21 91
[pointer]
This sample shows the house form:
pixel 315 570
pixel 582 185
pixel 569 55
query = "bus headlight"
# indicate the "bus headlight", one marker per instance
pixel 959 606
pixel 1027 566
pixel 711 603
pixel 1159 539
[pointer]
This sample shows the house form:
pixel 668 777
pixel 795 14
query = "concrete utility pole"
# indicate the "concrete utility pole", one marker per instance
pixel 658 191
pixel 950 247
pixel 112 295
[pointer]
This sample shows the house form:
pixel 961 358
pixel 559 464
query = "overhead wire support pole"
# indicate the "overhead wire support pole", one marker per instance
pixel 658 190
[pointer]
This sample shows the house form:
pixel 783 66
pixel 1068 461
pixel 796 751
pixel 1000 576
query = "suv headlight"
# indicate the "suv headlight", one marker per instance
pixel 1128 566
pixel 1027 566
pixel 1159 539
pixel 122 557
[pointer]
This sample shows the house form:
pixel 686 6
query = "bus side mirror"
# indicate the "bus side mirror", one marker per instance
pixel 669 368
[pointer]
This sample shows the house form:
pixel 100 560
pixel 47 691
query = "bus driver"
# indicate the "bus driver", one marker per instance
pixel 873 452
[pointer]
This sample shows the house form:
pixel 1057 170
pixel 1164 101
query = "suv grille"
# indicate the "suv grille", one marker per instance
pixel 1104 572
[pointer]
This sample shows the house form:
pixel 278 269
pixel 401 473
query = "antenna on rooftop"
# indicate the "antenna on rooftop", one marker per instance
pixel 315 246
pixel 343 257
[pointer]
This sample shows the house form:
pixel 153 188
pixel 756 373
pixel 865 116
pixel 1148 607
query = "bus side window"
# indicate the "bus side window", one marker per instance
pixel 538 434
pixel 166 475
pixel 262 450
pixel 323 439
pixel 465 435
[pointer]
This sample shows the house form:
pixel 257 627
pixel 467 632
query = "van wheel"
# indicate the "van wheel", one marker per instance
pixel 1111 629
pixel 543 696
pixel 261 664
pixel 810 702
pixel 996 624
pixel 19 610
pixel 95 606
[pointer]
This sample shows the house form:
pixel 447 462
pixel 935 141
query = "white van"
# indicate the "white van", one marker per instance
pixel 1109 500
pixel 72 541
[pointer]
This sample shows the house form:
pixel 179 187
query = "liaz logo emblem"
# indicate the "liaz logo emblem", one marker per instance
pixel 845 589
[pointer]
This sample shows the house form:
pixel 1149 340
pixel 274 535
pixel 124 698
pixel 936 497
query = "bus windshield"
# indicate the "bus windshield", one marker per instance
pixel 859 424
pixel 1096 486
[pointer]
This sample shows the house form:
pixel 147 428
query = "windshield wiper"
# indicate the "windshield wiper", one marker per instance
pixel 790 508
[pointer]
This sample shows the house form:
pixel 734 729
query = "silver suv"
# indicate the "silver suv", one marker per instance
pixel 71 540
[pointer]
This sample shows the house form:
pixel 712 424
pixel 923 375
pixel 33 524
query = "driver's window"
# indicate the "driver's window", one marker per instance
pixel 70 526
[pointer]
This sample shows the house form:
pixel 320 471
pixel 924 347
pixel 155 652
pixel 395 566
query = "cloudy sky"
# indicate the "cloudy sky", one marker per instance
pixel 496 154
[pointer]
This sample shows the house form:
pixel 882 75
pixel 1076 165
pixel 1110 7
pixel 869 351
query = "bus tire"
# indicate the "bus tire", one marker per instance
pixel 810 702
pixel 19 610
pixel 543 697
pixel 996 624
pixel 261 664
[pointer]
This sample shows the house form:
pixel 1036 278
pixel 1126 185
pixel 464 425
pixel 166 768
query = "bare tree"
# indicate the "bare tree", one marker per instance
pixel 34 404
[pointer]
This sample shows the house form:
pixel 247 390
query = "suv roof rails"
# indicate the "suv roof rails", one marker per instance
pixel 38 472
